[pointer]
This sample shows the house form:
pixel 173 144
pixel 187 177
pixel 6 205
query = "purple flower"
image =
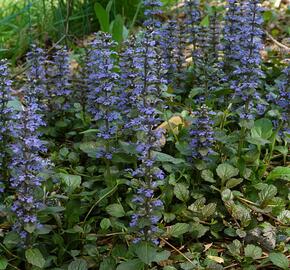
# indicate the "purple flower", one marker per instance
pixel 5 122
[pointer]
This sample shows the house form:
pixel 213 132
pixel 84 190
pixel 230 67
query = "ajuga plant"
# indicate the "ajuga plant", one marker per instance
pixel 103 95
pixel 202 133
pixel 37 74
pixel 59 91
pixel 27 162
pixel 152 13
pixel 282 99
pixel 193 18
pixel 5 123
pixel 247 72
pixel 145 100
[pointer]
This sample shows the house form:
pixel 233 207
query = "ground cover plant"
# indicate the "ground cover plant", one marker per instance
pixel 166 149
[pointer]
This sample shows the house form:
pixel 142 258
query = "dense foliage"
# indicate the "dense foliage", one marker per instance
pixel 168 150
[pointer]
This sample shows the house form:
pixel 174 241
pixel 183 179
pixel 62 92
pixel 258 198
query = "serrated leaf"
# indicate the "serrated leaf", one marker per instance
pixel 253 252
pixel 284 216
pixel 181 192
pixel 115 210
pixel 208 210
pixel 3 263
pixel 105 223
pixel 282 173
pixel 279 260
pixel 226 171
pixel 145 252
pixel 78 264
pixel 178 229
pixel 131 265
pixel 34 257
pixel 266 194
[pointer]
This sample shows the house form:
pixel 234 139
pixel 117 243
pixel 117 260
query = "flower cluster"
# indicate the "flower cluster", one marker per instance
pixel 59 73
pixel 201 133
pixel 103 94
pixel 152 11
pixel 37 75
pixel 247 71
pixel 283 98
pixel 5 121
pixel 145 98
pixel 27 163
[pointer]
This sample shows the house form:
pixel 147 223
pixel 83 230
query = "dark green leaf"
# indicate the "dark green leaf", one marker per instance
pixel 282 173
pixel 78 264
pixel 131 265
pixel 115 210
pixel 34 257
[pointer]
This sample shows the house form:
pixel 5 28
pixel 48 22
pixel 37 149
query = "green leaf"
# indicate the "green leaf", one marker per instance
pixel 181 191
pixel 253 252
pixel 267 193
pixel 162 157
pixel 15 104
pixel 178 229
pixel 279 260
pixel 226 171
pixel 34 257
pixel 78 264
pixel 115 210
pixel 234 182
pixel 90 148
pixel 3 263
pixel 162 256
pixel 117 30
pixel 208 210
pixel 108 263
pixel 70 180
pixel 205 21
pixel 279 172
pixel 131 265
pixel 145 252
pixel 207 175
pixel 263 128
pixel 103 17
pixel 105 223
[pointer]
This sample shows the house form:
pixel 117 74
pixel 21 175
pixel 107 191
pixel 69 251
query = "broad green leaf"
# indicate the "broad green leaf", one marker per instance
pixel 279 260
pixel 131 265
pixel 257 140
pixel 15 104
pixel 115 210
pixel 162 256
pixel 108 263
pixel 253 252
pixel 145 252
pixel 117 29
pixel 105 223
pixel 162 157
pixel 227 195
pixel 282 173
pixel 34 257
pixel 233 182
pixel 181 192
pixel 207 175
pixel 226 171
pixel 263 128
pixel 70 180
pixel 242 213
pixel 78 264
pixel 267 193
pixel 208 210
pixel 198 230
pixel 284 216
pixel 3 263
pixel 178 229
pixel 90 148
pixel 103 17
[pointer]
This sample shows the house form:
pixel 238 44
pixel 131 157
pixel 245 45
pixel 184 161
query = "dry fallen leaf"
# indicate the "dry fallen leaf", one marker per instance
pixel 216 259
